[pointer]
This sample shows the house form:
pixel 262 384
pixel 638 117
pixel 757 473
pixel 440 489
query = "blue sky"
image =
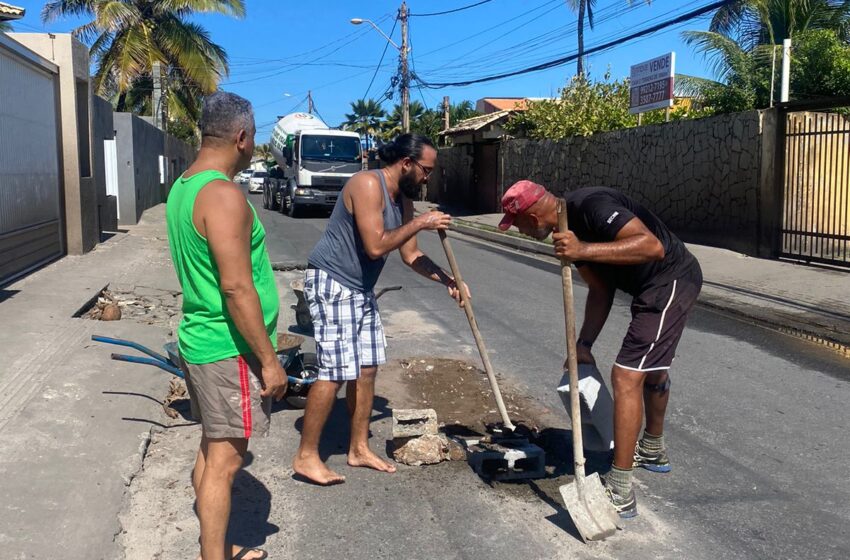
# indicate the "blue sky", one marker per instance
pixel 284 48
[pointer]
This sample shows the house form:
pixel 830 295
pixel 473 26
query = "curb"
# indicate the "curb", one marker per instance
pixel 832 337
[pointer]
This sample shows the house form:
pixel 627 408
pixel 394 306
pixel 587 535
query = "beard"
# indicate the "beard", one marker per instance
pixel 409 186
pixel 542 233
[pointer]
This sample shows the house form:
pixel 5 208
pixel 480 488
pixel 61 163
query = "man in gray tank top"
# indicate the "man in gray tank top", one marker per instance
pixel 372 217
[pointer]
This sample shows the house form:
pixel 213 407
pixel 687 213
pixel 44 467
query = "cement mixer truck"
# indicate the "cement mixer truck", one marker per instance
pixel 314 162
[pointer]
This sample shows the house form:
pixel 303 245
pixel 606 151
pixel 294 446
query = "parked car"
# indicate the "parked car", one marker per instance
pixel 255 183
pixel 244 175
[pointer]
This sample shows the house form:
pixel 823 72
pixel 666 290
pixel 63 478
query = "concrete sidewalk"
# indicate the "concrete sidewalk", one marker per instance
pixel 74 425
pixel 806 301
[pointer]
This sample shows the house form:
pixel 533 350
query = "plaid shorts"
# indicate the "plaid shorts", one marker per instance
pixel 349 333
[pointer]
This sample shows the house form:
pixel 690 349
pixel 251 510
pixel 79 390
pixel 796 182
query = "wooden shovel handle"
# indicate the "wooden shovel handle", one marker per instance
pixel 476 332
pixel 572 364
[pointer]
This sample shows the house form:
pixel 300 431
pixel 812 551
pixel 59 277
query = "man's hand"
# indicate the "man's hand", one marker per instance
pixel 433 221
pixel 454 292
pixel 583 356
pixel 568 246
pixel 274 381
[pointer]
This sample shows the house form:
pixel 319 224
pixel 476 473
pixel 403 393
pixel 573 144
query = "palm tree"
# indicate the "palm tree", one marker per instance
pixel 759 22
pixel 392 126
pixel 365 118
pixel 264 152
pixel 126 38
pixel 461 111
pixel 581 7
pixel 740 43
pixel 584 8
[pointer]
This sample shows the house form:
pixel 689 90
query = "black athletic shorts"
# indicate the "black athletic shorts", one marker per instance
pixel 658 319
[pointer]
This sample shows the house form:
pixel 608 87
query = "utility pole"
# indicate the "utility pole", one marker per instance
pixel 404 70
pixel 310 102
pixel 446 114
pixel 157 95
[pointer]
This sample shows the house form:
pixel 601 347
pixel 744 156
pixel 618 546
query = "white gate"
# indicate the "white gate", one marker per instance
pixel 110 158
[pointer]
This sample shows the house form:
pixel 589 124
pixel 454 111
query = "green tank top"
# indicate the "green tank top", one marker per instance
pixel 207 332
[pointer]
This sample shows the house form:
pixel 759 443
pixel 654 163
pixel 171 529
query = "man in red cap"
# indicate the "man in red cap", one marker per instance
pixel 617 243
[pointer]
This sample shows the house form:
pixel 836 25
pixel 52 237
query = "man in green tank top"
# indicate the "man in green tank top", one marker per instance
pixel 230 308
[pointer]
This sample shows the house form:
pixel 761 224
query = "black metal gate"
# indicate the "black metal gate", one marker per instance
pixel 815 224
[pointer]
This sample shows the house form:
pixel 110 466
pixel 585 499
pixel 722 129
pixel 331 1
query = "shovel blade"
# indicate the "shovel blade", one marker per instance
pixel 592 512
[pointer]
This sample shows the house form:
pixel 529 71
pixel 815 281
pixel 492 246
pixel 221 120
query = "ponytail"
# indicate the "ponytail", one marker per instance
pixel 404 146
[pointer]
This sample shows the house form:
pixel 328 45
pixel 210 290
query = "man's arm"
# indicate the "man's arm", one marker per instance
pixel 600 298
pixel 367 201
pixel 633 244
pixel 421 263
pixel 227 222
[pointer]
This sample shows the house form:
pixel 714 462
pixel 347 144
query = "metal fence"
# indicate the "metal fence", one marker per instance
pixel 816 197
pixel 31 229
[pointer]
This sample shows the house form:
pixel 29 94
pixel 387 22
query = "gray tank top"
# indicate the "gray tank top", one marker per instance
pixel 340 251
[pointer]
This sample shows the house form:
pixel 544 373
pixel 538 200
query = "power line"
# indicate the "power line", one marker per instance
pixel 380 62
pixel 451 11
pixel 605 46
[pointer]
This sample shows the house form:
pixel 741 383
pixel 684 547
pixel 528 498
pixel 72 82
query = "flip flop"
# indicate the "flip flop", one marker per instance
pixel 241 554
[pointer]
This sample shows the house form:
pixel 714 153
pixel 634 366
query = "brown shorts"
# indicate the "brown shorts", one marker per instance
pixel 225 397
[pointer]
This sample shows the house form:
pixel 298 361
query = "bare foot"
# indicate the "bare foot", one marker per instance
pixel 253 554
pixel 366 458
pixel 313 469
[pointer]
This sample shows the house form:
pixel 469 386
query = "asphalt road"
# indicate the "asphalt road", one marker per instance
pixel 757 424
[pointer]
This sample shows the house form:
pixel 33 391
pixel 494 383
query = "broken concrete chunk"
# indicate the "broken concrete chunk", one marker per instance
pixel 408 423
pixel 429 449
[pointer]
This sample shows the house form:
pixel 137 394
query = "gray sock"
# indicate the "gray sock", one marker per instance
pixel 651 443
pixel 619 480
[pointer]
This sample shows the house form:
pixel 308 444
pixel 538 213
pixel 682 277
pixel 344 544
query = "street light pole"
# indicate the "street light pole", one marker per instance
pixel 405 71
pixel 403 68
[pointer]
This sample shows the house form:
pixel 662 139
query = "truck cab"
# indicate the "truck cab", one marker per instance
pixel 316 162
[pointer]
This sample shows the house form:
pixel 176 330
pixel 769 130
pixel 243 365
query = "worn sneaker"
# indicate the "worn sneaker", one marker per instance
pixel 626 506
pixel 655 461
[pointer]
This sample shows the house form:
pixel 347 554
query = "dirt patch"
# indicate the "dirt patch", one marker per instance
pixel 461 395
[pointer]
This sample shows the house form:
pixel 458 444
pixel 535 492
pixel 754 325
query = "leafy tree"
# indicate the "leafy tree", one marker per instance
pixel 586 107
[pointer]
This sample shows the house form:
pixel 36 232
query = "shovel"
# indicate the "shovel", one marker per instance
pixel 482 350
pixel 592 512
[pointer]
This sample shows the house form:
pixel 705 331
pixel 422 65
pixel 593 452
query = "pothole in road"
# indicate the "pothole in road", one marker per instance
pixel 460 394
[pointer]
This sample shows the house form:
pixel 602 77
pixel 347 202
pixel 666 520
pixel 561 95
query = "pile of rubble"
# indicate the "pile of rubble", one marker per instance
pixel 151 306
pixel 418 441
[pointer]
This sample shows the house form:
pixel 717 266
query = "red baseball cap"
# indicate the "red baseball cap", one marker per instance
pixel 520 197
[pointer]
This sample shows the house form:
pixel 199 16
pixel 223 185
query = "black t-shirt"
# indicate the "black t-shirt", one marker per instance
pixel 597 214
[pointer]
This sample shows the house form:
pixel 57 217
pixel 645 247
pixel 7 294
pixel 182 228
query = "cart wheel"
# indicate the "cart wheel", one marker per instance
pixel 310 363
pixel 304 321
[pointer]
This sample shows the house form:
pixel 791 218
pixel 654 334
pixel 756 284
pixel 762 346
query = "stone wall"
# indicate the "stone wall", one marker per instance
pixel 701 177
